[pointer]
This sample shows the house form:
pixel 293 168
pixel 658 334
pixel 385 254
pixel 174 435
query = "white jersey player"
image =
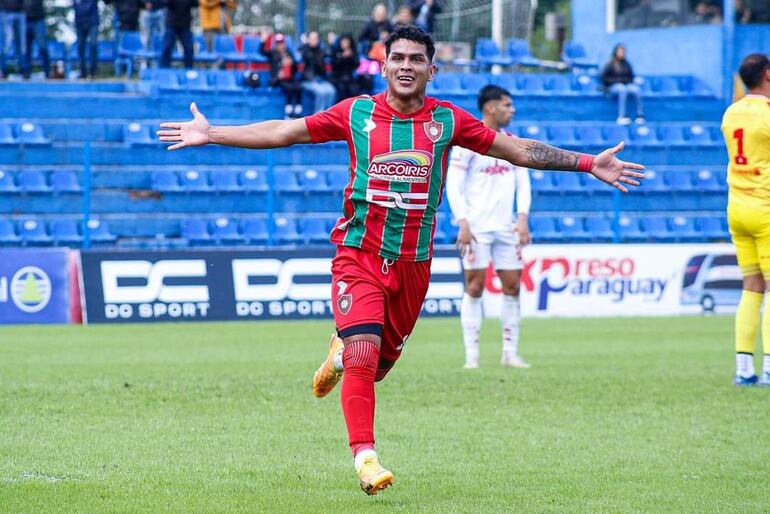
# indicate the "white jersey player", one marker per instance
pixel 481 192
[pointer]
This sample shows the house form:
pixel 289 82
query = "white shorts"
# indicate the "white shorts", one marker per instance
pixel 501 247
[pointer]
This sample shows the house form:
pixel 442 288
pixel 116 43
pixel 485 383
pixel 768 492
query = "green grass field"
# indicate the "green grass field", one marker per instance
pixel 615 415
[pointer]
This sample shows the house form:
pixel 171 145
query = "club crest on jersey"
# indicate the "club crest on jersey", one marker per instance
pixel 402 166
pixel 344 303
pixel 433 129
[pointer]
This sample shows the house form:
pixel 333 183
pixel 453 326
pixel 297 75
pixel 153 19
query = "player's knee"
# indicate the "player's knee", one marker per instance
pixel 475 288
pixel 511 289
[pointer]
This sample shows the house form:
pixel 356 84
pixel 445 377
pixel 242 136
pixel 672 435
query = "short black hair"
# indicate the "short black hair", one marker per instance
pixel 411 33
pixel 491 92
pixel 752 68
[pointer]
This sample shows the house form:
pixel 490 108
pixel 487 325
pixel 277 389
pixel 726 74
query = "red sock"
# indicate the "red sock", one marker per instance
pixel 357 395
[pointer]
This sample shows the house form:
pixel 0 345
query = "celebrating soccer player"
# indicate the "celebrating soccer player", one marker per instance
pixel 481 191
pixel 399 145
pixel 746 129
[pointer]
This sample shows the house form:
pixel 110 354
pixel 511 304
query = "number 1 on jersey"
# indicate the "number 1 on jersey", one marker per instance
pixel 740 159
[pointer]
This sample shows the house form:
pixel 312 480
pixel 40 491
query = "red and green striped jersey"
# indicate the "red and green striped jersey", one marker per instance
pixel 398 165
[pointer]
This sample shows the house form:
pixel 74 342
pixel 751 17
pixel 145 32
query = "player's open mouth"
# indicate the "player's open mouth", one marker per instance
pixel 405 79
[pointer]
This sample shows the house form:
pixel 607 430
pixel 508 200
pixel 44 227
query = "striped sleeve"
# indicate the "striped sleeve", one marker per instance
pixel 471 133
pixel 330 125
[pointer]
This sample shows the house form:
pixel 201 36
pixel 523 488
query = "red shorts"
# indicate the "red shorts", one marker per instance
pixel 372 295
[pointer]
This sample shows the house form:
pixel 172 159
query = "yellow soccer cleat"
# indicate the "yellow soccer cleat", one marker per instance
pixel 327 375
pixel 373 477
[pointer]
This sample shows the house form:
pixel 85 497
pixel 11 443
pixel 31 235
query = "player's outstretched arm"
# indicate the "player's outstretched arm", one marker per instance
pixel 266 134
pixel 534 154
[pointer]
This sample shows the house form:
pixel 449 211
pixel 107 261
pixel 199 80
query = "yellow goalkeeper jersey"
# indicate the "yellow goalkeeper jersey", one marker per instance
pixel 746 129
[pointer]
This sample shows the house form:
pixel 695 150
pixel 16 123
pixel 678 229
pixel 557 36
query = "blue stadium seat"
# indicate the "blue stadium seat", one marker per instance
pixel 224 47
pixel 286 231
pixel 313 181
pixel 699 135
pixel 562 135
pixel 544 230
pixel 586 85
pixel 532 84
pixel 99 232
pixel 314 230
pixel 252 49
pixel 8 236
pixel 166 79
pixel 574 54
pixel 193 181
pixel 600 229
pixel 614 134
pixel 684 230
pixel 568 183
pixel 225 231
pixel 560 85
pixel 196 232
pixel 507 81
pixel 338 180
pixel 709 182
pixel 202 52
pixel 695 87
pixel 255 232
pixel 130 47
pixel 286 182
pixel 572 229
pixel 487 53
pixel 666 86
pixel 653 182
pixel 33 181
pixel 6 135
pixel 65 232
pixel 679 181
pixel 193 80
pixel 165 182
pixel 225 181
pixel 657 230
pixel 630 230
pixel 65 181
pixel 644 136
pixel 31 134
pixel 590 135
pixel 253 181
pixel 7 183
pixel 533 132
pixel 33 233
pixel 542 182
pixel 136 134
pixel 106 50
pixel 596 187
pixel 671 135
pixel 448 83
pixel 473 82
pixel 226 81
pixel 712 228
pixel 518 51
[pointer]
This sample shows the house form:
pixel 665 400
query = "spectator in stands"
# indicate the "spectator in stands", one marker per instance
pixel 403 16
pixel 377 51
pixel 14 21
pixel 87 28
pixel 742 12
pixel 215 19
pixel 618 78
pixel 127 13
pixel 153 19
pixel 424 13
pixel 283 72
pixel 344 65
pixel 706 12
pixel 377 23
pixel 314 76
pixel 37 32
pixel 178 21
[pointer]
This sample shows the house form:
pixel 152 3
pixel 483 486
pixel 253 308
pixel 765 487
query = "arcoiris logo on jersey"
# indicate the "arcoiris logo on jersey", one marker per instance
pixel 401 166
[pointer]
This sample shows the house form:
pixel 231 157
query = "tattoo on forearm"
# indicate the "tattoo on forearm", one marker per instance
pixel 547 157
